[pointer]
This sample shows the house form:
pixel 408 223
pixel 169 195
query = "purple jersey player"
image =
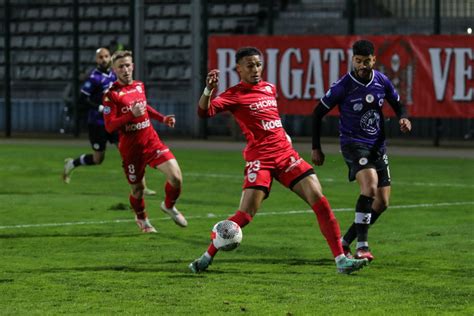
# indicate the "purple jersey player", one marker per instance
pixel 360 95
pixel 99 81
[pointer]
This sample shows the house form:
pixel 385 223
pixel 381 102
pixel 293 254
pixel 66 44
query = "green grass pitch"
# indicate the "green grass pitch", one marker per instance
pixel 66 250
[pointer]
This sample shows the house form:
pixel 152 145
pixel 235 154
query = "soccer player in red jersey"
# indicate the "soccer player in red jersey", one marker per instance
pixel 126 110
pixel 269 154
pixel 99 81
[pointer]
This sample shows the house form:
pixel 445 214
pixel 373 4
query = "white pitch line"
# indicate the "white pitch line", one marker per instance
pixel 323 180
pixel 210 215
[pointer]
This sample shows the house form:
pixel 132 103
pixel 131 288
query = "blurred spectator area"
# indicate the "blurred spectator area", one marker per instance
pixel 42 30
pixel 42 38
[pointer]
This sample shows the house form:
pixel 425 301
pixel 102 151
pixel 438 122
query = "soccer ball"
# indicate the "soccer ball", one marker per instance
pixel 226 235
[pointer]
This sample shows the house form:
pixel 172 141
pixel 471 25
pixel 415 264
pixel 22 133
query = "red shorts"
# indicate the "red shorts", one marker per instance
pixel 287 169
pixel 134 163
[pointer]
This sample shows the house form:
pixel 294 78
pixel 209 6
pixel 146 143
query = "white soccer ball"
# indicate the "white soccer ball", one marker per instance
pixel 226 235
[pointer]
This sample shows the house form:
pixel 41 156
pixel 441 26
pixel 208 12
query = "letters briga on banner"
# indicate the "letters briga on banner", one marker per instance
pixel 433 74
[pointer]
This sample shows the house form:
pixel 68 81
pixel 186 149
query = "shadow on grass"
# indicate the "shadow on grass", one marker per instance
pixel 225 206
pixel 179 268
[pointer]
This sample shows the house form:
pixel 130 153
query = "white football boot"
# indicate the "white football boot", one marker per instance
pixel 145 225
pixel 148 191
pixel 173 212
pixel 68 168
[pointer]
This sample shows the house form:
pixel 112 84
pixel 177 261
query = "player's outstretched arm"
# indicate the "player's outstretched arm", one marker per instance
pixel 154 114
pixel 212 80
pixel 168 120
pixel 86 102
pixel 401 111
pixel 317 154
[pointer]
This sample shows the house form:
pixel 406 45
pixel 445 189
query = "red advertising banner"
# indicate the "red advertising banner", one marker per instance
pixel 432 74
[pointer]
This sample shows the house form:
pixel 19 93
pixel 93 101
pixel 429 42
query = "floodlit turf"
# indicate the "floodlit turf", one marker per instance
pixel 78 254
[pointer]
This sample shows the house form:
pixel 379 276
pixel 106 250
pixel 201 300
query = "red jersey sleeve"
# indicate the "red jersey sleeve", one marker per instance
pixel 224 102
pixel 111 118
pixel 154 114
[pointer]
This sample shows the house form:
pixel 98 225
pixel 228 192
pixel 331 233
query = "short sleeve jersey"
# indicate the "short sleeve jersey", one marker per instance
pixel 255 109
pixel 360 106
pixel 138 132
pixel 94 87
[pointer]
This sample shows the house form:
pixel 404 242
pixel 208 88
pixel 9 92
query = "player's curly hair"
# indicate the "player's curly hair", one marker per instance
pixel 121 54
pixel 363 48
pixel 246 51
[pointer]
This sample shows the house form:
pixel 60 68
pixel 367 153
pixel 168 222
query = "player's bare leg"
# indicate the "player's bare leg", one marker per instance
pixel 174 180
pixel 309 189
pixel 250 202
pixel 147 190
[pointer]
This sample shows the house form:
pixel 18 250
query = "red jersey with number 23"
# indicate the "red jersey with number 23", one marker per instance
pixel 256 111
pixel 136 133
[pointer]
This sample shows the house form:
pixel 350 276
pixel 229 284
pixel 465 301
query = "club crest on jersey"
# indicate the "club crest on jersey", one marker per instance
pixel 370 122
pixel 357 107
pixel 139 89
pixel 363 161
pixel 369 98
pixel 159 153
pixel 106 110
pixel 252 177
pixel 269 89
pixel 293 163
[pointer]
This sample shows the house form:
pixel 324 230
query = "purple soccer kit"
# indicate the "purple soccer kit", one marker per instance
pixel 360 106
pixel 94 87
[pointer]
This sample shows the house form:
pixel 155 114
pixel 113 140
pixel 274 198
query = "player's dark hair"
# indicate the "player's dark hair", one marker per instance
pixel 121 54
pixel 246 51
pixel 363 48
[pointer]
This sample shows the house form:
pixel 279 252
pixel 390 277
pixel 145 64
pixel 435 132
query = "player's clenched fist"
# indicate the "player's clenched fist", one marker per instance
pixel 212 79
pixel 317 156
pixel 170 120
pixel 405 125
pixel 138 109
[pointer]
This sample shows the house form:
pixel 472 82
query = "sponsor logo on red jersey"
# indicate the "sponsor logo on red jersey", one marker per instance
pixel 268 125
pixel 128 108
pixel 137 126
pixel 263 105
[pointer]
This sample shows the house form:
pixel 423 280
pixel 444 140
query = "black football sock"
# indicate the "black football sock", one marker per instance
pixel 374 216
pixel 351 233
pixel 84 160
pixel 362 219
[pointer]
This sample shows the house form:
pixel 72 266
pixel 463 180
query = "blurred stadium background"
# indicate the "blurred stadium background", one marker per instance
pixel 47 47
